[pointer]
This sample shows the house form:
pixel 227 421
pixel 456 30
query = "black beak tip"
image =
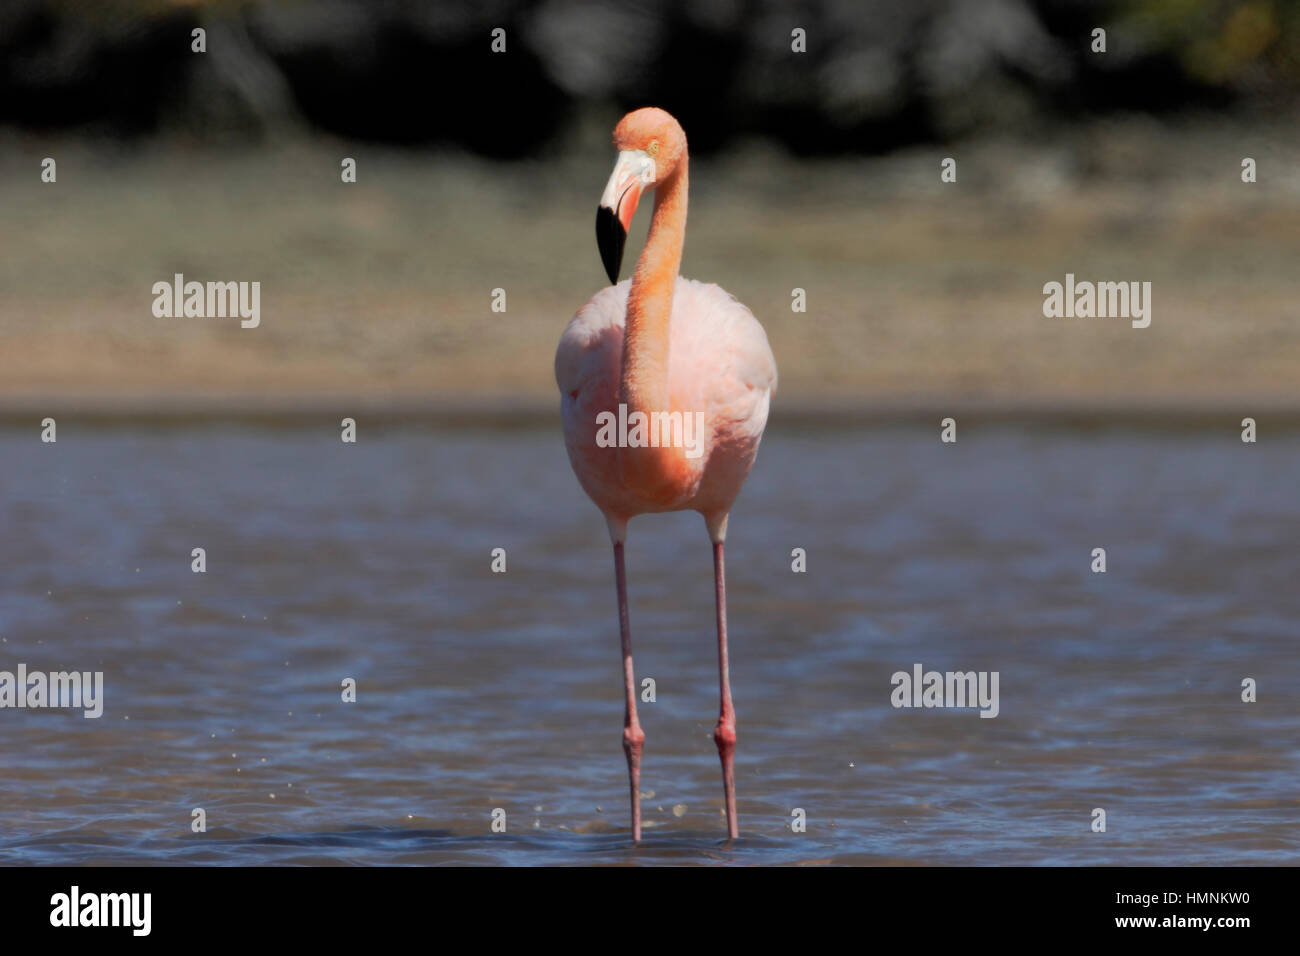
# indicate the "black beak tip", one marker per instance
pixel 610 237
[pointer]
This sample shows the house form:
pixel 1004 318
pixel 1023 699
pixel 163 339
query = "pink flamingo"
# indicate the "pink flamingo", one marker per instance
pixel 662 346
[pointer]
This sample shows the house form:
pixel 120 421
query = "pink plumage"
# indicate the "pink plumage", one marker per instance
pixel 719 363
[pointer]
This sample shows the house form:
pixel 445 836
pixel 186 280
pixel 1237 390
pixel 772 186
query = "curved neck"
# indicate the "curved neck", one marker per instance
pixel 644 382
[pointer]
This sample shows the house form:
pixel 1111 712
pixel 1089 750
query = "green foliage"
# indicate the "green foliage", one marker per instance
pixel 1253 44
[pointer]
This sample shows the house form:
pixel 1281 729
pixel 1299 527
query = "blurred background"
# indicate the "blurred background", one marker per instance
pixel 479 170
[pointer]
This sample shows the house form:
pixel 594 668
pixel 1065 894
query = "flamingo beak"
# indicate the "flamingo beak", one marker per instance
pixel 632 173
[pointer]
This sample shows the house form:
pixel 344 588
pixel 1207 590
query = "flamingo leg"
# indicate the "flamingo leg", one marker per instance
pixel 633 735
pixel 724 734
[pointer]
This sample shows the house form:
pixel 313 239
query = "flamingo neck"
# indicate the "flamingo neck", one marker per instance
pixel 644 382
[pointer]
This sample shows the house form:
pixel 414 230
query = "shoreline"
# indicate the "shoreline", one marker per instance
pixel 920 299
pixel 528 413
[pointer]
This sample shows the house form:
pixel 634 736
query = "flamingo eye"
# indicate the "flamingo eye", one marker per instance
pixel 654 148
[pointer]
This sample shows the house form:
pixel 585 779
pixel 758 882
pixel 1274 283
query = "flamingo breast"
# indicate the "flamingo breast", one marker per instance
pixel 719 364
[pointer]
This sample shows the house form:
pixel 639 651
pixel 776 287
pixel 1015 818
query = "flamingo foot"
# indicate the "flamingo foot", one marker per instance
pixel 633 742
pixel 724 735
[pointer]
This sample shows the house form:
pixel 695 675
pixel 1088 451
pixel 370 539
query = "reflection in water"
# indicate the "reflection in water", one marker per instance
pixel 479 691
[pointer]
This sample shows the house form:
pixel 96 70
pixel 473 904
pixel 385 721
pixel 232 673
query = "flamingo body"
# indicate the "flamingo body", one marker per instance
pixel 719 363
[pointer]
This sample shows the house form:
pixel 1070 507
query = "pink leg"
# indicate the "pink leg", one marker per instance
pixel 724 735
pixel 633 735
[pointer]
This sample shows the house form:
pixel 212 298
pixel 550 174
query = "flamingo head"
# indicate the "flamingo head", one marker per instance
pixel 651 145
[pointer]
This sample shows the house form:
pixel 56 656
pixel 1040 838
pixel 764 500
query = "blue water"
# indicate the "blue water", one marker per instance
pixel 479 691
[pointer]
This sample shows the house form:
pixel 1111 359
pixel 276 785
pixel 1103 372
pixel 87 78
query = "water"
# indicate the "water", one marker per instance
pixel 479 691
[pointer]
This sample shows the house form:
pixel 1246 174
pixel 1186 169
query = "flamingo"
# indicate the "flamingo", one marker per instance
pixel 659 345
